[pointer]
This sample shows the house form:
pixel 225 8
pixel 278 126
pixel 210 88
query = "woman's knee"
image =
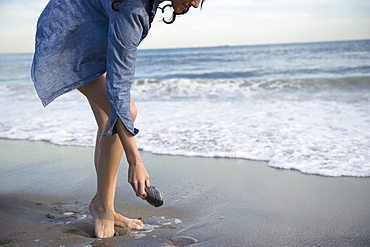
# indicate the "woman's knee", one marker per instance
pixel 133 110
pixel 96 91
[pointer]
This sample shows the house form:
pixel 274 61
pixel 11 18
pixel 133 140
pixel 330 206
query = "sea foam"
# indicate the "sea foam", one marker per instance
pixel 300 106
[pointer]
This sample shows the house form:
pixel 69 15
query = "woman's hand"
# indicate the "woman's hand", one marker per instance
pixel 138 178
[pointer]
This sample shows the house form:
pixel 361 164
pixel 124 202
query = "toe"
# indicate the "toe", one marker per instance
pixel 137 224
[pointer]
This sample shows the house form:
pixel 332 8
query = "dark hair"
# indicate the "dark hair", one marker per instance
pixel 174 14
pixel 114 3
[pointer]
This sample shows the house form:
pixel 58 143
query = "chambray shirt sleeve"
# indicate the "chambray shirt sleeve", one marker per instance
pixel 127 28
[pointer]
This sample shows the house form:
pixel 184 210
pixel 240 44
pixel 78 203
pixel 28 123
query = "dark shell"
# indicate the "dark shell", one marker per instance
pixel 154 196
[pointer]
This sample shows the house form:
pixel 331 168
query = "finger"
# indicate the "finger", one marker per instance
pixel 135 188
pixel 141 190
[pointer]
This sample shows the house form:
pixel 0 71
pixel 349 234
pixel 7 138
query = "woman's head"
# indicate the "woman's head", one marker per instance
pixel 180 7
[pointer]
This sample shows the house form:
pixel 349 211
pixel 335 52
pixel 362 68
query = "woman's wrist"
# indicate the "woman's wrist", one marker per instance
pixel 136 162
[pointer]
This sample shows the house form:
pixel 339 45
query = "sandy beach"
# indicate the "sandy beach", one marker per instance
pixel 45 190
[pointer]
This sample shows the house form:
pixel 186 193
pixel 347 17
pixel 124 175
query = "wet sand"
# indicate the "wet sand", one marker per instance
pixel 45 190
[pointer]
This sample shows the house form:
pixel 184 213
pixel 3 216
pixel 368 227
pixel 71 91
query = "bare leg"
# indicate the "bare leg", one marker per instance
pixel 138 177
pixel 108 153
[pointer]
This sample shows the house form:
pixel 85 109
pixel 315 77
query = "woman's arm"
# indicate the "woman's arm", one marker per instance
pixel 127 28
pixel 137 174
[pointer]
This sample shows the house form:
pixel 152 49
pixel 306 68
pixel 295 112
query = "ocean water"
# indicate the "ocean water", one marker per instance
pixel 298 106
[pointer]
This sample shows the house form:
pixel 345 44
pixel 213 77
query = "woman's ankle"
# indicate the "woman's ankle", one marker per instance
pixel 101 206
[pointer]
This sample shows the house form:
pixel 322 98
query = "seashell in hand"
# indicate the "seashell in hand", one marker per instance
pixel 154 197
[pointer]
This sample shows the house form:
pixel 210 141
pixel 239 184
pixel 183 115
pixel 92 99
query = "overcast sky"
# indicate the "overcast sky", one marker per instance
pixel 221 22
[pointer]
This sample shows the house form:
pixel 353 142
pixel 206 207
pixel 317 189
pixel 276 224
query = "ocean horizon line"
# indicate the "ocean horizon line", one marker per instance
pixel 220 46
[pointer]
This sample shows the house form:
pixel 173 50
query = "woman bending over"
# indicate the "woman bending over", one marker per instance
pixel 91 45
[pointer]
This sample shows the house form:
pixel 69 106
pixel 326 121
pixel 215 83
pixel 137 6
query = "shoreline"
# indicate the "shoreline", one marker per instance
pixel 202 157
pixel 208 202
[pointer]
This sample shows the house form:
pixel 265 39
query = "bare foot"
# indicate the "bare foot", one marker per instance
pixel 103 220
pixel 122 221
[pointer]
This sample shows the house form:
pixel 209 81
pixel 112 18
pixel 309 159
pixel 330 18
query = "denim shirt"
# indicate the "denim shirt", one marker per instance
pixel 79 40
